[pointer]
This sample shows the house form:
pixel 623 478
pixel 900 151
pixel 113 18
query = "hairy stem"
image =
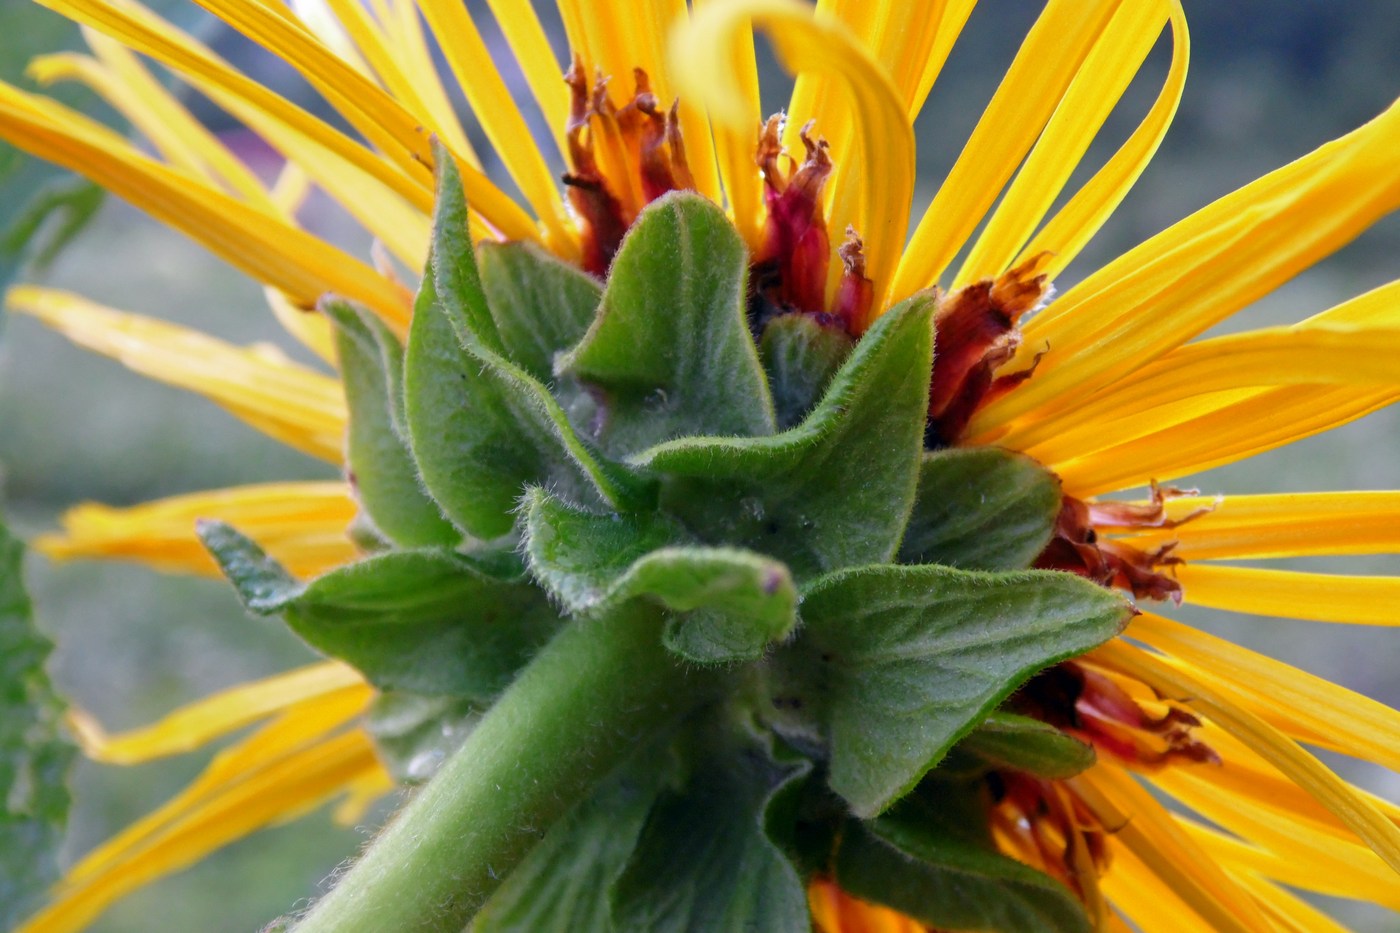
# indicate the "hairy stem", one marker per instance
pixel 591 696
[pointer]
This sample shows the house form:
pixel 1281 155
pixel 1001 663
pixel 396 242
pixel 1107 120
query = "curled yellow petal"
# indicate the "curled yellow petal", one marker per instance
pixel 1293 594
pixel 196 724
pixel 1382 835
pixel 301 525
pixel 259 385
pixel 1092 94
pixel 873 184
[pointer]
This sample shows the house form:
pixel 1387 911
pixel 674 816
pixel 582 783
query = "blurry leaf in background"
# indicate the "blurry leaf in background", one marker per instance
pixel 34 757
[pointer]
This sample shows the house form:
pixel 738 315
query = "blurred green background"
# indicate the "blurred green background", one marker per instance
pixel 1269 81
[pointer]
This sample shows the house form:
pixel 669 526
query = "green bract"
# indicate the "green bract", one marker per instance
pixel 559 462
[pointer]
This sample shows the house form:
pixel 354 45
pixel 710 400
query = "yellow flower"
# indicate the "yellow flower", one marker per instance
pixel 1110 384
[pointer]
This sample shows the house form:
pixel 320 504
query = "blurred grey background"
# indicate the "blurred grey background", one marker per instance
pixel 1269 81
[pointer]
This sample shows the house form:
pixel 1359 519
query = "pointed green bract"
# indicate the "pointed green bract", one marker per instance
pixel 670 352
pixel 541 305
pixel 800 355
pixel 732 603
pixel 1025 744
pixel 34 757
pixel 703 863
pixel 382 470
pixel 452 268
pixel 951 883
pixel 423 621
pixel 836 490
pixel 914 657
pixel 414 733
pixel 981 508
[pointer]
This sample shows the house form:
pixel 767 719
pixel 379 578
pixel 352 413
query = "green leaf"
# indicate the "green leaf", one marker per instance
pixel 1025 744
pixel 981 508
pixel 912 658
pixel 382 471
pixel 564 884
pixel 949 882
pixel 801 355
pixel 731 603
pixel 703 862
pixel 414 733
pixel 482 428
pixel 34 756
pixel 540 304
pixel 421 621
pixel 836 490
pixel 670 351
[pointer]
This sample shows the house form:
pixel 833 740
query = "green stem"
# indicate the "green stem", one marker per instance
pixel 590 697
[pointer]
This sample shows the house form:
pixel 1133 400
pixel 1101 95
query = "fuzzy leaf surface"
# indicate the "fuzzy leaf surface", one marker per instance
pixel 1025 744
pixel 382 470
pixel 670 350
pixel 34 756
pixel 950 882
pixel 541 305
pixel 421 621
pixel 800 356
pixel 482 427
pixel 414 733
pixel 981 508
pixel 912 658
pixel 731 603
pixel 836 490
pixel 704 864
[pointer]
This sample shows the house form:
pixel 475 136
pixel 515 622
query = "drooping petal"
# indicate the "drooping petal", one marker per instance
pixel 301 525
pixel 284 400
pixel 1293 594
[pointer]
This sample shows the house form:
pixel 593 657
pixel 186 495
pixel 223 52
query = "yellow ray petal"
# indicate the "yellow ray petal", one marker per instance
pixel 874 200
pixel 497 113
pixel 1148 400
pixel 294 785
pixel 1292 594
pixel 1110 66
pixel 736 143
pixel 196 724
pixel 1198 272
pixel 302 525
pixel 276 253
pixel 1151 902
pixel 313 330
pixel 1047 61
pixel 1306 771
pixel 1296 915
pixel 298 407
pixel 1206 433
pixel 1281 525
pixel 542 70
pixel 1358 724
pixel 914 50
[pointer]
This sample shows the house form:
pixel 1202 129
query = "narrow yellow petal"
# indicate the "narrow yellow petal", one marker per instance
pixel 302 525
pixel 276 253
pixel 542 70
pixel 297 783
pixel 196 724
pixel 1100 82
pixel 1296 915
pixel 1206 432
pixel 1281 525
pixel 1356 724
pixel 284 400
pixel 497 112
pixel 736 144
pixel 1351 808
pixel 1293 594
pixel 1148 400
pixel 1186 279
pixel 1146 829
pixel 1046 63
pixel 873 185
pixel 361 794
pixel 1065 234
pixel 312 330
pixel 1149 901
